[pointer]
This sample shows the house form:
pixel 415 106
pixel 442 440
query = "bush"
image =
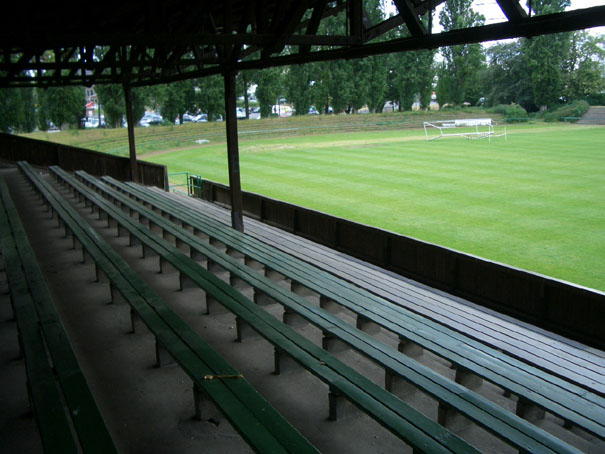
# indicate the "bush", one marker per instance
pixel 574 109
pixel 513 113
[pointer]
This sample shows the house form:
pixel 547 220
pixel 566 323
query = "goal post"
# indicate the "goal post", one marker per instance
pixel 469 128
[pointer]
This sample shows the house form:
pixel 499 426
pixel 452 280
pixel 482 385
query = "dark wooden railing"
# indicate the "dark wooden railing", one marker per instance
pixel 43 153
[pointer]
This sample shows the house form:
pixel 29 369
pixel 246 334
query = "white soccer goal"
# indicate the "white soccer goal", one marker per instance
pixel 471 128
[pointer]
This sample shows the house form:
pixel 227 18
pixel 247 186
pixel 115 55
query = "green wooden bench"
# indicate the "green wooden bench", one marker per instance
pixel 490 416
pixel 407 423
pixel 495 419
pixel 533 386
pixel 249 413
pixel 59 395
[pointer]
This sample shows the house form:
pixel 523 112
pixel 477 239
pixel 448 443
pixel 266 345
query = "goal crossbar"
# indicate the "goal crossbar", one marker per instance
pixel 470 128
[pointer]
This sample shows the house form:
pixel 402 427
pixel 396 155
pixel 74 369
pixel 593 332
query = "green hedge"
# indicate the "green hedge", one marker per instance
pixel 574 109
pixel 513 113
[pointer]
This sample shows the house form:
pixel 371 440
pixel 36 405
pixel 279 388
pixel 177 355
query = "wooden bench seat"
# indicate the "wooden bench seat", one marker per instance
pixel 248 412
pixel 492 417
pixel 407 423
pixel 59 395
pixel 532 385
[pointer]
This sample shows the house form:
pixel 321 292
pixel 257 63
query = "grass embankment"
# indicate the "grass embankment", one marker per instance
pixel 160 138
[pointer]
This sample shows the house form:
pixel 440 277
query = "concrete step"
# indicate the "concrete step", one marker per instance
pixel 594 116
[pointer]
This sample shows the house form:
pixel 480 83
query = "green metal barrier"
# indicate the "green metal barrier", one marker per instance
pixel 179 180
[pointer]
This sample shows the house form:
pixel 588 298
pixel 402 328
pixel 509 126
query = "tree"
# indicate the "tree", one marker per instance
pixel 411 76
pixel 268 89
pixel 210 96
pixel 17 110
pixel 297 84
pixel 461 64
pixel 177 98
pixel 508 78
pixel 244 80
pixel 584 69
pixel 63 106
pixel 370 73
pixel 546 55
pixel 111 98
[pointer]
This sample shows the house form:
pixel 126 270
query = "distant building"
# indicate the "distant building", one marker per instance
pixel 92 102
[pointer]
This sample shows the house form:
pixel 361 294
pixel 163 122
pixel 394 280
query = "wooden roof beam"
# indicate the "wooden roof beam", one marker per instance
pixel 355 15
pixel 313 24
pixel 410 17
pixel 513 11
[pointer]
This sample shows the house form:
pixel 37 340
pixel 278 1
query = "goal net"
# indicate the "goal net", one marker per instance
pixel 471 128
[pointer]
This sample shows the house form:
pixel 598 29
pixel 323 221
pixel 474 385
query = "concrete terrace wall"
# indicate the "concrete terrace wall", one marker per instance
pixel 571 310
pixel 43 153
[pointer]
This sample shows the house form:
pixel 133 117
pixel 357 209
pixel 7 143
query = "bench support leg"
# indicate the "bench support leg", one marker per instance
pixel 283 362
pixel 183 246
pixel 528 410
pixel 328 305
pixel 339 406
pixel 169 237
pixel 198 397
pixel 186 282
pixel 217 245
pixel 244 330
pixel 196 255
pixel 133 240
pixel 409 348
pixel 395 384
pixel 293 318
pixel 251 263
pixel 116 296
pixel 332 344
pixel 215 268
pixel 135 321
pixel 366 325
pixel 467 379
pixel 100 275
pixel 262 299
pixel 213 306
pixel 303 291
pixel 201 235
pixel 238 283
pixel 442 413
pixel 235 254
pixel 162 356
pixel 275 275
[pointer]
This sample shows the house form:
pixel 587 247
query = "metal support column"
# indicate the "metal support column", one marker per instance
pixel 237 219
pixel 131 143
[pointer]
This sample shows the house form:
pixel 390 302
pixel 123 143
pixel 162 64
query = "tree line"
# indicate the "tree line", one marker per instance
pixel 536 74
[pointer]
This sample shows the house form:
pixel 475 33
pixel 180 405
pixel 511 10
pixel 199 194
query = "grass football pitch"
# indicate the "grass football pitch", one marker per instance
pixel 534 201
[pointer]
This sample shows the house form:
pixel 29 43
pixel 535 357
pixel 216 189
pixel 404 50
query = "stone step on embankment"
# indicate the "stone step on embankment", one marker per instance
pixel 594 116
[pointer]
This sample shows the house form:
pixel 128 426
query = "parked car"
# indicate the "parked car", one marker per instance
pixel 151 119
pixel 188 118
